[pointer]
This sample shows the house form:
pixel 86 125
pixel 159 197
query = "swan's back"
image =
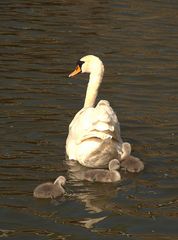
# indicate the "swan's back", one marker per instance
pixel 100 122
pixel 95 128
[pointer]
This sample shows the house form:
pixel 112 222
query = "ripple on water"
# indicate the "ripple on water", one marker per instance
pixel 40 44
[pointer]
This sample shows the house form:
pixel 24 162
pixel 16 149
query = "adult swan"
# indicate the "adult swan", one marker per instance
pixel 94 133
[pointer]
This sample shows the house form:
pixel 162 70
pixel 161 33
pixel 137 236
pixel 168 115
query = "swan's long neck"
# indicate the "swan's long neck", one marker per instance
pixel 95 80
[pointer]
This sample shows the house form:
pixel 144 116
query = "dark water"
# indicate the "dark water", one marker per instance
pixel 40 43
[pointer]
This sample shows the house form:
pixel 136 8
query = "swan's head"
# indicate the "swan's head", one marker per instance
pixel 88 64
pixel 60 180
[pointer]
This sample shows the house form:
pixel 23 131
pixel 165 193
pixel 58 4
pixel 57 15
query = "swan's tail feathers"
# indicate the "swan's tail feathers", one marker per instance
pixel 102 155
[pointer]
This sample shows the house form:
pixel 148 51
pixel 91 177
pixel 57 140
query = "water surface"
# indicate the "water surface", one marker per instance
pixel 40 43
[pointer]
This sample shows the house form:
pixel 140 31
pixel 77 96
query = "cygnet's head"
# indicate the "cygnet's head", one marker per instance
pixel 114 164
pixel 126 149
pixel 88 64
pixel 61 180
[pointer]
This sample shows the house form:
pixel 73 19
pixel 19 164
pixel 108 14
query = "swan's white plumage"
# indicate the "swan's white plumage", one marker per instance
pixel 94 133
pixel 88 132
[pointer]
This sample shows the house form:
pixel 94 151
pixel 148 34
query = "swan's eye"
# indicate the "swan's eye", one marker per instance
pixel 78 69
pixel 80 63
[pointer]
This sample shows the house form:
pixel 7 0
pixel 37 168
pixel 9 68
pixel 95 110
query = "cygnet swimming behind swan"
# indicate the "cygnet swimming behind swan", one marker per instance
pixel 49 189
pixel 129 162
pixel 103 175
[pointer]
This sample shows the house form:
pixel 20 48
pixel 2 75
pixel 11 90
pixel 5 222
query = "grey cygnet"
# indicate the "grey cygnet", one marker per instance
pixel 103 175
pixel 129 162
pixel 49 189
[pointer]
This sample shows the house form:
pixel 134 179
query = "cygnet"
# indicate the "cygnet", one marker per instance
pixel 129 162
pixel 49 189
pixel 103 175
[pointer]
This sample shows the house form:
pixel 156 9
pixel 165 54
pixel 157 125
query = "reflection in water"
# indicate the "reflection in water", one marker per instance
pixel 91 195
pixel 99 198
pixel 90 222
pixel 137 41
pixel 79 172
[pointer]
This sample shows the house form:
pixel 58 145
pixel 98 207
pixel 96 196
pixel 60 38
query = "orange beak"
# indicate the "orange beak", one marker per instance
pixel 76 71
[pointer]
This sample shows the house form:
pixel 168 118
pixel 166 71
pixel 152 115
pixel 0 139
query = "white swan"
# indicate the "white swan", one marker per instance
pixel 49 189
pixel 94 133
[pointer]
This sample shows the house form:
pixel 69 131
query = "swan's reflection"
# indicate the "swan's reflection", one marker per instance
pixel 97 197
pixel 89 223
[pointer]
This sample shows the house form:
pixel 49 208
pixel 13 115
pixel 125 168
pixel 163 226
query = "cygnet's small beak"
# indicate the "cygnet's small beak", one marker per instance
pixel 76 71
